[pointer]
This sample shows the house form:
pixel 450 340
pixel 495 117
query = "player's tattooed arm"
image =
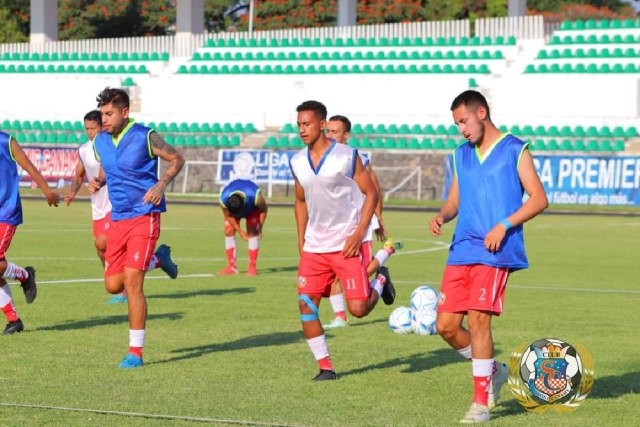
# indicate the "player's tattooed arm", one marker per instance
pixel 166 152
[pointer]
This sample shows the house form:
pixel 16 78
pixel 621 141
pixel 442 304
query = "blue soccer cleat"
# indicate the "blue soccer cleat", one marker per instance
pixel 131 361
pixel 117 299
pixel 166 263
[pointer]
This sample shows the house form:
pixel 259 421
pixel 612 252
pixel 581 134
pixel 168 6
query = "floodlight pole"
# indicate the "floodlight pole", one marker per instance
pixel 250 18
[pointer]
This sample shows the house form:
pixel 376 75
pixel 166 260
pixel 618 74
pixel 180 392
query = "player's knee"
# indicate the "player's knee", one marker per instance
pixel 308 310
pixel 445 327
pixel 478 320
pixel 358 309
pixel 3 266
pixel 113 287
pixel 101 243
pixel 229 232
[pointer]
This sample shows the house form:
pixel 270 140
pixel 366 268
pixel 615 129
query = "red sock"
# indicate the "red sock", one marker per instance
pixel 231 257
pixel 342 315
pixel 325 364
pixel 136 350
pixel 481 390
pixel 9 310
pixel 253 256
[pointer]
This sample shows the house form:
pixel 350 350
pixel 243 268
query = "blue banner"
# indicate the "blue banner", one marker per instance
pixel 257 165
pixel 582 180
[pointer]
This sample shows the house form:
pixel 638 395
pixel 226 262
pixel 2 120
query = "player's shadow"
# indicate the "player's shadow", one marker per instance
pixel 615 386
pixel 369 322
pixel 204 292
pixel 280 269
pixel 266 340
pixel 106 320
pixel 415 363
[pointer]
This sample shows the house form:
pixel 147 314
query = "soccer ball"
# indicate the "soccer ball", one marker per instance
pixel 400 320
pixel 424 322
pixel 424 297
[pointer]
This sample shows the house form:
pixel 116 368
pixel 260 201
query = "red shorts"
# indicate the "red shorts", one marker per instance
pixel 131 243
pixel 6 234
pixel 317 272
pixel 473 287
pixel 253 220
pixel 367 252
pixel 102 226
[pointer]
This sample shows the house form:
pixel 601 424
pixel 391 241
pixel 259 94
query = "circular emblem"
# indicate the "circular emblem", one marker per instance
pixel 301 281
pixel 443 296
pixel 551 373
pixel 243 165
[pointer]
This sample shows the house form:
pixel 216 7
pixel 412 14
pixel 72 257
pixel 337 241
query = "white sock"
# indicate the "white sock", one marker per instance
pixel 318 347
pixel 337 302
pixel 465 352
pixel 136 337
pixel 375 284
pixel 482 367
pixel 5 295
pixel 230 242
pixel 153 263
pixel 15 272
pixel 253 243
pixel 382 255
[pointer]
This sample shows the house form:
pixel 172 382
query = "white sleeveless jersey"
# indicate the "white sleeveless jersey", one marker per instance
pixel 100 204
pixel 374 224
pixel 334 200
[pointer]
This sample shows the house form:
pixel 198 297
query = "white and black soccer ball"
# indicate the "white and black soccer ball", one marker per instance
pixel 400 320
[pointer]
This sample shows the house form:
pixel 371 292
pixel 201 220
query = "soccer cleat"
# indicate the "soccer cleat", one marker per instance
pixel 166 263
pixel 228 270
pixel 252 270
pixel 497 381
pixel 325 375
pixel 29 287
pixel 117 299
pixel 391 246
pixel 13 327
pixel 476 414
pixel 131 361
pixel 335 323
pixel 388 291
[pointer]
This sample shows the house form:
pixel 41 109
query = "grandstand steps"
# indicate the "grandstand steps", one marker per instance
pixel 632 147
pixel 255 140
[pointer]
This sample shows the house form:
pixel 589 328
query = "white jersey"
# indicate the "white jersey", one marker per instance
pixel 374 224
pixel 100 204
pixel 334 200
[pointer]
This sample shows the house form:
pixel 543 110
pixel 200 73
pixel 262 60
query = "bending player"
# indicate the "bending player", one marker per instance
pixel 129 155
pixel 339 128
pixel 242 198
pixel 491 173
pixel 89 165
pixel 10 218
pixel 332 216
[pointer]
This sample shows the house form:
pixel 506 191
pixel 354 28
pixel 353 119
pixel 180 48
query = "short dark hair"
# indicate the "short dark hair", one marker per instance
pixel 471 99
pixel 315 106
pixel 118 97
pixel 94 116
pixel 345 121
pixel 235 203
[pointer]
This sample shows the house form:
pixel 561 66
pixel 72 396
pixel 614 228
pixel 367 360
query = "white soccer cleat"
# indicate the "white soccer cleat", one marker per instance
pixel 497 381
pixel 476 414
pixel 335 323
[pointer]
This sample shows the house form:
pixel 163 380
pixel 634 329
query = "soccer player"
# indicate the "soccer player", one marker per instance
pixel 339 128
pixel 100 204
pixel 242 198
pixel 491 172
pixel 10 218
pixel 129 153
pixel 335 200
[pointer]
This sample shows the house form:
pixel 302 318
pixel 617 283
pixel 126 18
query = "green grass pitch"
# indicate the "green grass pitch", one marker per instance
pixel 231 348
